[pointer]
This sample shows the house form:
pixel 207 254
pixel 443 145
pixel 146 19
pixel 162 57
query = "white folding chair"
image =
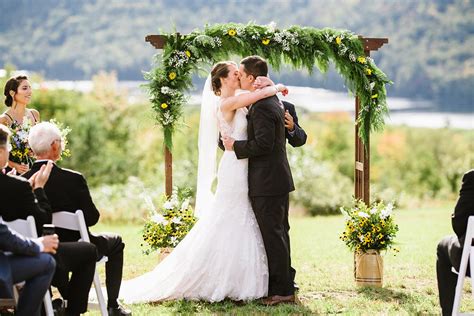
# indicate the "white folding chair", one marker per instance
pixel 75 221
pixel 27 228
pixel 467 256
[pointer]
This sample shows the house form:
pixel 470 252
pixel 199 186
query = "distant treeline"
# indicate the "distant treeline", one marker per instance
pixel 429 55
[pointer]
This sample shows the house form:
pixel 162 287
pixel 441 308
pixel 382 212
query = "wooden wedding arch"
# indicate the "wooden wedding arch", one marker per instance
pixel 362 154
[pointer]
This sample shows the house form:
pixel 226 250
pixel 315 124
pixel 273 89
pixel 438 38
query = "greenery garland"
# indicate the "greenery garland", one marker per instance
pixel 302 47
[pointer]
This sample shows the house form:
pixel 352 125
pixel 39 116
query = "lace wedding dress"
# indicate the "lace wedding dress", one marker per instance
pixel 223 256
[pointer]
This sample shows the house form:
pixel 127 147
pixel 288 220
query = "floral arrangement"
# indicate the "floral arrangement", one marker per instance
pixel 21 151
pixel 167 226
pixel 66 152
pixel 369 227
pixel 302 47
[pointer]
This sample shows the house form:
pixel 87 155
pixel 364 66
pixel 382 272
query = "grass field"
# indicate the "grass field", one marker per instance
pixel 325 270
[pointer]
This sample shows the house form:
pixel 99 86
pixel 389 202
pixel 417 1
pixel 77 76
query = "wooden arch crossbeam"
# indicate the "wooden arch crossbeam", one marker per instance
pixel 362 155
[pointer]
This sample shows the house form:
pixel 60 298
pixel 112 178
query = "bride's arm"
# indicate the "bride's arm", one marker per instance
pixel 242 100
pixel 262 82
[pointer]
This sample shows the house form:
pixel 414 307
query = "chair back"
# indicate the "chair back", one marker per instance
pixel 72 221
pixel 467 255
pixel 25 227
pixel 75 221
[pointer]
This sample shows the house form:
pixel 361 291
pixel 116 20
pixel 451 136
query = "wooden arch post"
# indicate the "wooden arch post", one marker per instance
pixel 362 155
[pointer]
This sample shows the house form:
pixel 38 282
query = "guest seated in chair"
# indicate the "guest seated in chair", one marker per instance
pixel 20 201
pixel 30 261
pixel 450 247
pixel 67 190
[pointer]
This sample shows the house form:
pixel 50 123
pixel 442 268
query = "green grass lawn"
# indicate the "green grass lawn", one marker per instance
pixel 325 270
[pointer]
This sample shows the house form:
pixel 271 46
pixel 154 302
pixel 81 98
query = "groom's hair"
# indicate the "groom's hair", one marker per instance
pixel 255 66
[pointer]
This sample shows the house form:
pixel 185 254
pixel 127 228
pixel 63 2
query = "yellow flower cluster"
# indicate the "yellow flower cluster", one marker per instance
pixel 369 227
pixel 168 227
pixel 172 75
pixel 265 41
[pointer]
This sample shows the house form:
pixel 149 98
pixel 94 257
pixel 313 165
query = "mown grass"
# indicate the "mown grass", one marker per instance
pixel 325 270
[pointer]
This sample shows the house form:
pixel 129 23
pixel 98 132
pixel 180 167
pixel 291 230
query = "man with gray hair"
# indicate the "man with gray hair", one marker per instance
pixel 67 190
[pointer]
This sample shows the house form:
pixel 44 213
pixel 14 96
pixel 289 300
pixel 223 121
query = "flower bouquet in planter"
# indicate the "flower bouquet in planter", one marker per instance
pixel 166 226
pixel 369 230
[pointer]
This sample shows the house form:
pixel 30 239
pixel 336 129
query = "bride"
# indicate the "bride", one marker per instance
pixel 223 256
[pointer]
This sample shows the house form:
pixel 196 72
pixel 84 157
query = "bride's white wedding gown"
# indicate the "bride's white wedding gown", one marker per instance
pixel 223 256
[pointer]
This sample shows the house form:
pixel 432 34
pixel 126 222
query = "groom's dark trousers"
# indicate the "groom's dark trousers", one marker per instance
pixel 270 182
pixel 67 190
pixel 449 249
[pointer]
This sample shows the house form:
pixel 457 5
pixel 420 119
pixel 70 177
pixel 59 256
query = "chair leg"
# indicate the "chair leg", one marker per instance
pixel 458 293
pixel 471 268
pixel 48 305
pixel 100 295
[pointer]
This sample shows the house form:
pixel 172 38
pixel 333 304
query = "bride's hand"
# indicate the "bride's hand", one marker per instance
pixel 262 82
pixel 282 88
pixel 228 143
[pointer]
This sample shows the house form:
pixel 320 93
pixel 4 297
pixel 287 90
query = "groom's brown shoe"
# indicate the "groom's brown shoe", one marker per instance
pixel 278 299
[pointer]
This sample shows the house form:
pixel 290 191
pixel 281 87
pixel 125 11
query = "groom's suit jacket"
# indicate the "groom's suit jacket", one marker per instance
pixel 298 136
pixel 269 171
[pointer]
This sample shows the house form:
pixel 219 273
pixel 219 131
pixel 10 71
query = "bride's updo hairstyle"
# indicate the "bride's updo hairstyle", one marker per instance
pixel 218 71
pixel 12 85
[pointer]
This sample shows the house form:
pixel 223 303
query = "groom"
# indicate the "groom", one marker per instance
pixel 270 180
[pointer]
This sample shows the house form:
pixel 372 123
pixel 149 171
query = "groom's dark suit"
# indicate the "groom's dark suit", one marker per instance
pixel 270 182
pixel 297 137
pixel 67 190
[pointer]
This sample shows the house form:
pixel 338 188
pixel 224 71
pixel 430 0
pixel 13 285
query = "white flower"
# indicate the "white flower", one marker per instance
pixel 174 241
pixel 185 205
pixel 176 220
pixel 352 57
pixel 174 201
pixel 169 205
pixel 372 85
pixel 22 135
pixel 167 118
pixel 373 210
pixel 165 90
pixel 272 26
pixel 361 238
pixel 158 218
pixel 363 214
pixel 386 212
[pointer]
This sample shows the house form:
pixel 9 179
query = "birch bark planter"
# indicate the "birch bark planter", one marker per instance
pixel 164 252
pixel 368 268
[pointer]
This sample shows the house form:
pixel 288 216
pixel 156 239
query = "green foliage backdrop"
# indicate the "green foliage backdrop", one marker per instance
pixel 299 46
